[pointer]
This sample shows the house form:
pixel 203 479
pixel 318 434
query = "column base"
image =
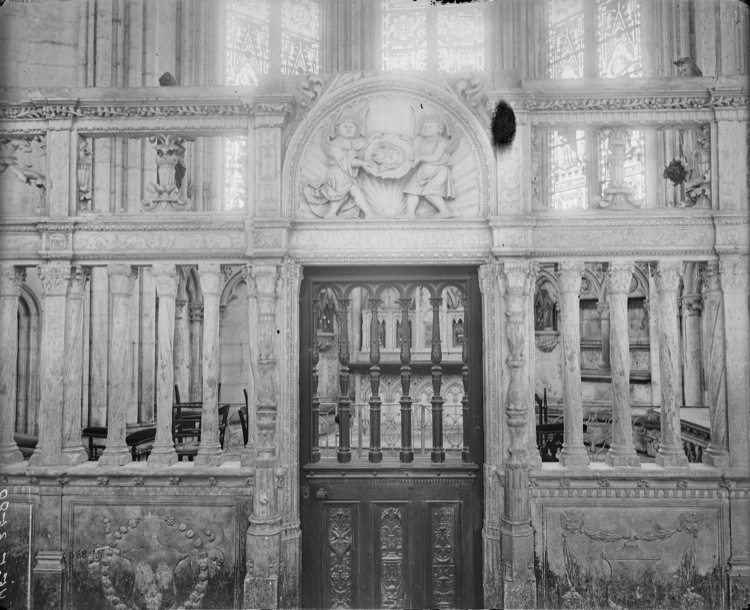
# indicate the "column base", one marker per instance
pixel 10 453
pixel 36 458
pixel 162 455
pixel 717 457
pixel 210 455
pixel 671 457
pixel 74 456
pixel 115 456
pixel 574 457
pixel 621 457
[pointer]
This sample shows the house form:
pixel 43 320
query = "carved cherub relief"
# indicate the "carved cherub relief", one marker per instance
pixel 385 174
pixel 433 144
pixel 344 146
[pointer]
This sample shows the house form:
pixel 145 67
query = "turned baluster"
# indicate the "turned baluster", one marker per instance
pixel 315 380
pixel 376 454
pixel 344 452
pixel 465 381
pixel 438 453
pixel 407 451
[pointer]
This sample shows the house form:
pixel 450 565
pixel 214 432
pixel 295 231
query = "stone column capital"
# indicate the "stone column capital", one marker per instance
pixel 517 275
pixel 166 280
pixel 692 304
pixel 121 279
pixel 78 278
pixel 211 278
pixel 620 277
pixel 196 312
pixel 667 275
pixel 569 274
pixel 11 278
pixel 733 271
pixel 54 278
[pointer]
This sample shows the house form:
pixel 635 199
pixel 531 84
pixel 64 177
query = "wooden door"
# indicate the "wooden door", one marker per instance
pixel 391 438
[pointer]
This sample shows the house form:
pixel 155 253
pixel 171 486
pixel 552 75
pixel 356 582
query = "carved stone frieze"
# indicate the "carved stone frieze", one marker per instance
pixel 661 102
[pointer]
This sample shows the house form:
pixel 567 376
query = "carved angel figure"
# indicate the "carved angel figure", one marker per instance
pixel 345 150
pixel 433 144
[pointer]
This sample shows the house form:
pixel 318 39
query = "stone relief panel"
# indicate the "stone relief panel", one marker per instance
pixel 642 557
pixel 376 152
pixel 23 184
pixel 155 556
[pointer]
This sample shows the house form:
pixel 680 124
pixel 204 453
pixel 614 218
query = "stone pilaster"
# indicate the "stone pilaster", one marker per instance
pixel 11 279
pixel 269 117
pixel 691 333
pixel 717 453
pixel 569 275
pixel 196 340
pixel 621 451
pixel 182 348
pixel 603 309
pixel 73 451
pixel 667 276
pixel 121 280
pixel 733 271
pixel 98 356
pixel 54 278
pixel 210 451
pixel 493 484
pixel 519 583
pixel 265 285
pixel 165 282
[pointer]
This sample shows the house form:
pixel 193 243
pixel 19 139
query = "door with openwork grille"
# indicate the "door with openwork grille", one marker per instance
pixel 391 437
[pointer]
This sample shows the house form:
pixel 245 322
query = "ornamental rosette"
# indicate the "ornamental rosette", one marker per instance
pixel 691 522
pixel 571 521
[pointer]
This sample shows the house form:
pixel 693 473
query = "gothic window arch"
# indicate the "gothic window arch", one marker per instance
pixel 424 35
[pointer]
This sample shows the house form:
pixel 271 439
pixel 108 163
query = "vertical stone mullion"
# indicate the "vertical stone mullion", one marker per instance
pixel 573 453
pixel 11 279
pixel 121 280
pixel 717 453
pixel 733 271
pixel 54 278
pixel 621 452
pixel 692 386
pixel 72 451
pixel 604 319
pixel 210 451
pixel 196 335
pixel 165 283
pixel 670 454
pixel 182 349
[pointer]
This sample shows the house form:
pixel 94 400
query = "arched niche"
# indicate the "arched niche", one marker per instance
pixel 388 113
pixel 27 363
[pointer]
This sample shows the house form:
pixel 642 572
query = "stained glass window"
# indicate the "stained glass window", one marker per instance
pixel 618 38
pixel 594 38
pixel 565 50
pixel 247 42
pixel 300 49
pixel 404 35
pixel 567 163
pixel 235 172
pixel 414 29
pixel 250 28
pixel 460 39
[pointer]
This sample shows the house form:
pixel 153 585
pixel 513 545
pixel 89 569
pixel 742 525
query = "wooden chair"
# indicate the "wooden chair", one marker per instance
pixel 186 428
pixel 244 419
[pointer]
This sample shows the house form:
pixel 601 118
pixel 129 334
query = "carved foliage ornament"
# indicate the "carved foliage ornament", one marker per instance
pixel 137 575
pixel 171 191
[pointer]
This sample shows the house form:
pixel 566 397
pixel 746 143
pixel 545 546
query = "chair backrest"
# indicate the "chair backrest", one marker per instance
pixel 186 421
pixel 177 394
pixel 223 416
pixel 243 422
pixel 244 391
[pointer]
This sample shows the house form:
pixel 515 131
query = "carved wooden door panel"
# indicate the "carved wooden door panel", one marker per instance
pixel 391 438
